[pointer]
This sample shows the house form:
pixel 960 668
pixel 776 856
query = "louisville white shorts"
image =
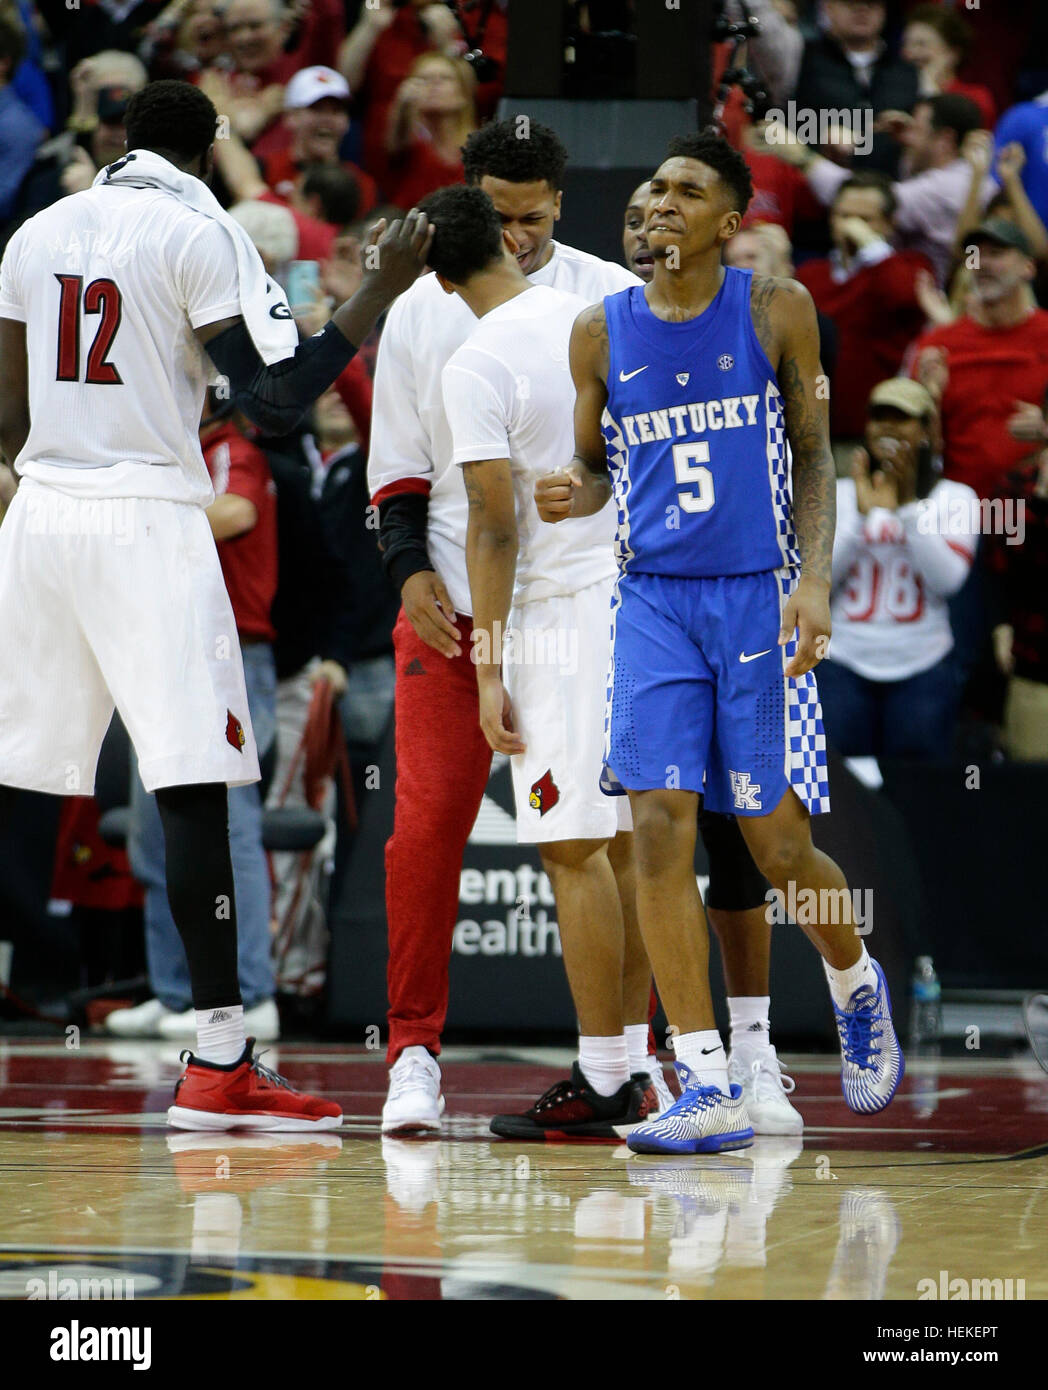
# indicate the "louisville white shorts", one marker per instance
pixel 116 602
pixel 555 669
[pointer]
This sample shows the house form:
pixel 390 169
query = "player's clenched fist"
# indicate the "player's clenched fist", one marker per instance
pixel 555 493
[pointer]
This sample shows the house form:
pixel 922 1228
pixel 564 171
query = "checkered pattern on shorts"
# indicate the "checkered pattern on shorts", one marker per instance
pixel 779 475
pixel 805 738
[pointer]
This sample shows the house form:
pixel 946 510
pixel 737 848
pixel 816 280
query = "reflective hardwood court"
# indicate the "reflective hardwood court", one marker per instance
pixel 950 1183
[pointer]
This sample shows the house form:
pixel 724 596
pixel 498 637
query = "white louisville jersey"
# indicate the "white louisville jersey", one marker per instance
pixel 410 435
pixel 893 574
pixel 508 393
pixel 110 284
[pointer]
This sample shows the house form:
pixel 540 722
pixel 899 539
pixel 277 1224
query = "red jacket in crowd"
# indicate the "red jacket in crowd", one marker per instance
pixel 990 369
pixel 877 317
pixel 249 562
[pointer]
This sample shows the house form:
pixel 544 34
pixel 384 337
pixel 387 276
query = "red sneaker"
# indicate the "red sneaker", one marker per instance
pixel 245 1095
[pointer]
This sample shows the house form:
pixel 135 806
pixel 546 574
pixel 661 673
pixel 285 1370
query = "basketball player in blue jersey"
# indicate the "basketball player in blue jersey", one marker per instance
pixel 735 901
pixel 710 377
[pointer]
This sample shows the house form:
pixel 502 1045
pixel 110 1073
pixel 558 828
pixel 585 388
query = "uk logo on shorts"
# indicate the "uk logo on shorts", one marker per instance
pixel 544 794
pixel 746 794
pixel 235 732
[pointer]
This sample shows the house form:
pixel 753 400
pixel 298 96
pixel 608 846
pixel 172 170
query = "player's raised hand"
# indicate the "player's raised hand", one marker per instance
pixel 429 610
pixel 395 256
pixel 555 493
pixel 496 718
pixel 808 613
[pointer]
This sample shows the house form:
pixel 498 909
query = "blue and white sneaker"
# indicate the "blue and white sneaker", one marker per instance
pixel 701 1120
pixel 871 1059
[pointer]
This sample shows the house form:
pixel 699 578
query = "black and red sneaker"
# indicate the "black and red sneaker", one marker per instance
pixel 573 1110
pixel 245 1095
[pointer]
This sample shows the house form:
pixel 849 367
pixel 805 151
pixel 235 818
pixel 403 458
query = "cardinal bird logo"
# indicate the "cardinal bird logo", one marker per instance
pixel 544 793
pixel 234 731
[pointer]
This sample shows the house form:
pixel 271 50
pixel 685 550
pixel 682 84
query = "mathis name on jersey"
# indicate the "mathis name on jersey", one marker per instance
pixel 696 417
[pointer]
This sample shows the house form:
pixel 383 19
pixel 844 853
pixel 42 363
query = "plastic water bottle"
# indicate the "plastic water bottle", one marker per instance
pixel 926 1008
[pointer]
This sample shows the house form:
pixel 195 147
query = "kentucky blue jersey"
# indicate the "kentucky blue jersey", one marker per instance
pixel 696 440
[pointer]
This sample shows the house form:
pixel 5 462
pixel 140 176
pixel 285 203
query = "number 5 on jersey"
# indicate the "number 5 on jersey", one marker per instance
pixel 100 297
pixel 687 464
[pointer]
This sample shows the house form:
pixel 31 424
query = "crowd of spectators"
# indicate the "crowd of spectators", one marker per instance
pixel 916 218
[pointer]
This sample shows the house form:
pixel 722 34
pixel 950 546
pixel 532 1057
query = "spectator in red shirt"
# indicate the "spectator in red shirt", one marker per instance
pixel 936 41
pixel 311 132
pixel 380 52
pixel 988 369
pixel 781 193
pixel 868 289
pixel 431 117
pixel 257 35
pixel 1021 637
pixel 937 178
pixel 258 31
pixel 243 520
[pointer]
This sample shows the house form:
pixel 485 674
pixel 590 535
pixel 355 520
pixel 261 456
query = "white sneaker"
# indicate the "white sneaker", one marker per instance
pixel 261 1022
pixel 765 1089
pixel 143 1021
pixel 414 1104
pixel 412 1173
pixel 663 1094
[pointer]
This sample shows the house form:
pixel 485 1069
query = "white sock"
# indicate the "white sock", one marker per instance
pixel 605 1063
pixel 637 1046
pixel 220 1034
pixel 703 1053
pixel 750 1028
pixel 844 983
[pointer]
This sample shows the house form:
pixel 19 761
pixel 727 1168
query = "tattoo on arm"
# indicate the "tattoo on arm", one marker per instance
pixel 763 290
pixel 596 326
pixel 814 475
pixel 474 491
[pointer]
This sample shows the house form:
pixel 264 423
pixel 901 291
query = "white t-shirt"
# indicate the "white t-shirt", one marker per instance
pixel 410 435
pixel 508 393
pixel 893 572
pixel 110 284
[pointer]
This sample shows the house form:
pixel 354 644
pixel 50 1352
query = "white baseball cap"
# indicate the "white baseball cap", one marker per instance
pixel 311 85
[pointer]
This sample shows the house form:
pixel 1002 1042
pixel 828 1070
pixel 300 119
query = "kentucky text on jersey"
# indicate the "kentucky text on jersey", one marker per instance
pixel 696 417
pixel 696 440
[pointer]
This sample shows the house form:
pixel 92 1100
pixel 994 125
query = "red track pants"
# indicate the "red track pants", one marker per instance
pixel 443 761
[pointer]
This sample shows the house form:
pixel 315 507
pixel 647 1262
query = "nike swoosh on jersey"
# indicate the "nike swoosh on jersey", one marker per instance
pixel 627 376
pixel 744 658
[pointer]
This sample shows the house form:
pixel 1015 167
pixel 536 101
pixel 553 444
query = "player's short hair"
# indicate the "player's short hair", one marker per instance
pixel 870 178
pixel 337 189
pixel 516 150
pixel 711 149
pixel 12 42
pixel 468 231
pixel 951 111
pixel 171 115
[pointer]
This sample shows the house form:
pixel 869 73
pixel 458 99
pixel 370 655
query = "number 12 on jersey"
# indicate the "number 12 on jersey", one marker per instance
pixel 688 460
pixel 100 297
